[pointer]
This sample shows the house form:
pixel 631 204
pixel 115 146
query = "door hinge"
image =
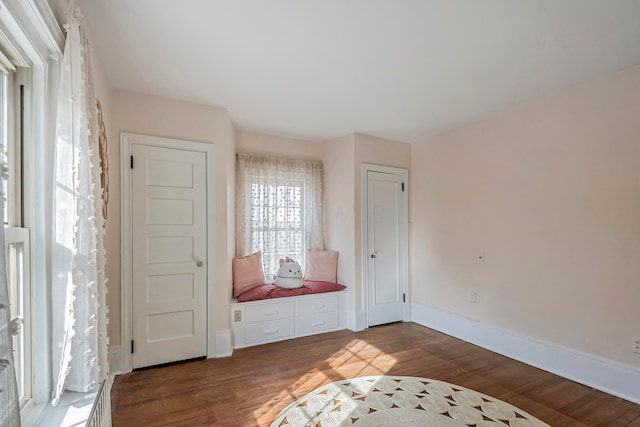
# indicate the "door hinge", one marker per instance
pixel 403 186
pixel 131 162
pixel 404 297
pixel 131 346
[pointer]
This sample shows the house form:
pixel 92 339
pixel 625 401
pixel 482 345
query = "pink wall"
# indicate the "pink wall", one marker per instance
pixel 339 207
pixel 343 159
pixel 375 151
pixel 549 192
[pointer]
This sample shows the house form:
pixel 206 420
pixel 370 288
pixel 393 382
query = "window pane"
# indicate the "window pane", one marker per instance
pixel 15 279
pixel 276 221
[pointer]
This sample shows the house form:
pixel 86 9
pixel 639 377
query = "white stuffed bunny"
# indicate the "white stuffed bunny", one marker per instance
pixel 289 274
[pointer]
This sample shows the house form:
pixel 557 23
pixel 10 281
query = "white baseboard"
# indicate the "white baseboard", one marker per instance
pixel 600 373
pixel 356 321
pixel 115 360
pixel 224 347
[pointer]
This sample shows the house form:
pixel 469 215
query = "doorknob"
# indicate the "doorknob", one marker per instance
pixel 373 255
pixel 199 263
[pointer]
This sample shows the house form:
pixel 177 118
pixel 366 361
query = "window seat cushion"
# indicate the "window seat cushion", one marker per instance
pixel 318 287
pixel 272 291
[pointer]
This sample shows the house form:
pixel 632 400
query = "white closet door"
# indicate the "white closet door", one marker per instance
pixel 169 250
pixel 386 248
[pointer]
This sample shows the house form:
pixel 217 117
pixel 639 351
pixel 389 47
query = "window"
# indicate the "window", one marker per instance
pixel 278 208
pixel 17 250
pixel 30 47
pixel 276 220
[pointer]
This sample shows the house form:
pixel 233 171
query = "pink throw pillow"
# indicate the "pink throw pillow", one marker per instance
pixel 247 273
pixel 322 266
pixel 314 287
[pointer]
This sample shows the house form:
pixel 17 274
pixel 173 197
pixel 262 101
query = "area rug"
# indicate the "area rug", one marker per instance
pixel 399 402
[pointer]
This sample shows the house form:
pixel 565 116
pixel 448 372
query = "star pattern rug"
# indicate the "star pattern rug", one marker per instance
pixel 399 402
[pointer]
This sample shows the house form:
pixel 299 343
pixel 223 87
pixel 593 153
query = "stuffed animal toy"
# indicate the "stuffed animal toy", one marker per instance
pixel 289 274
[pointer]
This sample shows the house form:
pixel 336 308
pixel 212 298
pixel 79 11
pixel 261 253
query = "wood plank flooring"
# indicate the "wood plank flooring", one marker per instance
pixel 253 386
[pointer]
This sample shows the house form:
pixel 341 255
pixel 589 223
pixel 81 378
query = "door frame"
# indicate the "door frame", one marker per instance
pixel 364 198
pixel 127 140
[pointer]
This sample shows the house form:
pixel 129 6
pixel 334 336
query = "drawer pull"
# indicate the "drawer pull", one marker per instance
pixel 271 313
pixel 271 331
pixel 320 323
pixel 318 306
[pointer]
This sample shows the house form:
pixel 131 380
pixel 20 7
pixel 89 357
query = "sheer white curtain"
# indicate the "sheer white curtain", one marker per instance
pixel 278 208
pixel 79 314
pixel 9 399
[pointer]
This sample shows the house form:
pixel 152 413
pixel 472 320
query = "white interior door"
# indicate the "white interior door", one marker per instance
pixel 169 254
pixel 386 246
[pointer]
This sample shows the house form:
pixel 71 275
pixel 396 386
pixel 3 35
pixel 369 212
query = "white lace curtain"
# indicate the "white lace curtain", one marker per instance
pixel 79 315
pixel 278 208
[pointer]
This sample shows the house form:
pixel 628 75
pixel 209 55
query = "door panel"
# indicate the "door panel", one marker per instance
pixel 169 212
pixel 385 245
pixel 169 250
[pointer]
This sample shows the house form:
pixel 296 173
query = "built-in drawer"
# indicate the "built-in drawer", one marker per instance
pixel 270 311
pixel 268 331
pixel 315 323
pixel 322 304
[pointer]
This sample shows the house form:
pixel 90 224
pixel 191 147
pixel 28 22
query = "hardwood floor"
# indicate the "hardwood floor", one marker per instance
pixel 253 386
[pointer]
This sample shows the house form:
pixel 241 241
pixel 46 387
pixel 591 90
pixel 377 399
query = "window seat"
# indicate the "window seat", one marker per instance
pixel 276 319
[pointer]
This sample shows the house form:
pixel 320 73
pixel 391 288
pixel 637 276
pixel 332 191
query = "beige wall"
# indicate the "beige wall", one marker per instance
pixel 112 246
pixel 549 192
pixel 59 9
pixel 228 224
pixel 155 116
pixel 258 143
pixel 339 208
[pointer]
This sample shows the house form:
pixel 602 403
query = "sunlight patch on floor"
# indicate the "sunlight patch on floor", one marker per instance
pixel 310 381
pixel 358 358
pixel 365 358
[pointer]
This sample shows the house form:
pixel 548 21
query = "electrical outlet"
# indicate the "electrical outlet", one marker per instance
pixel 237 316
pixel 636 345
pixel 474 297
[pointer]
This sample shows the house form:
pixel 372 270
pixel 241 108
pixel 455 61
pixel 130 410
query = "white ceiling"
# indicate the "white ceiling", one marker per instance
pixel 399 69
